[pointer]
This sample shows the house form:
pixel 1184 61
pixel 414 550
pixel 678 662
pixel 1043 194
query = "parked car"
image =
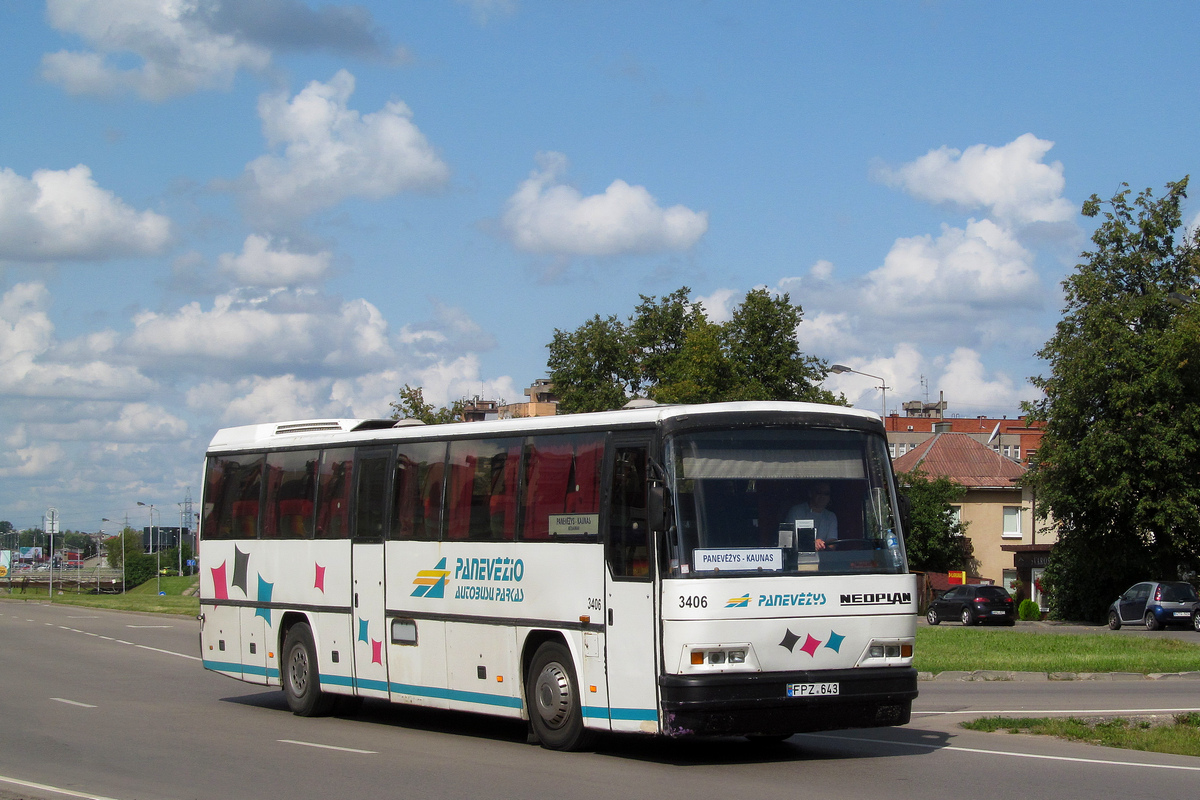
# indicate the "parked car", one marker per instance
pixel 1156 604
pixel 974 604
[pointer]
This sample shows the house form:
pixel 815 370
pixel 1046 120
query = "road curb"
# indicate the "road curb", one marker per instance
pixel 1033 677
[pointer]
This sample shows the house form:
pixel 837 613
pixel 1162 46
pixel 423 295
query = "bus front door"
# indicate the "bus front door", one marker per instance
pixel 630 632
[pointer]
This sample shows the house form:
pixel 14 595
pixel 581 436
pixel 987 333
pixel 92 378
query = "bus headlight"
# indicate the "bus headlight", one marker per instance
pixel 720 656
pixel 891 651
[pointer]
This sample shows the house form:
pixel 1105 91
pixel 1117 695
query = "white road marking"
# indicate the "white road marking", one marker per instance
pixel 1083 712
pixel 70 617
pixel 72 702
pixel 149 626
pixel 330 747
pixel 122 641
pixel 43 787
pixel 169 652
pixel 979 750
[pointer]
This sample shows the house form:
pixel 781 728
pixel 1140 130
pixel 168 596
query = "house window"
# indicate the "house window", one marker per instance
pixel 1012 522
pixel 892 449
pixel 1010 581
pixel 956 518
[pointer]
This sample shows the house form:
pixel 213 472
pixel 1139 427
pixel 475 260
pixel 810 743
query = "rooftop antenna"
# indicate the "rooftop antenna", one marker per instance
pixel 925 387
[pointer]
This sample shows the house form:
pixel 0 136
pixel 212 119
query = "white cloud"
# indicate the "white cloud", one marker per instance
pixel 484 11
pixel 718 306
pixel 35 460
pixel 966 382
pixel 272 332
pixel 1010 181
pixel 331 152
pixel 178 51
pixel 260 265
pixel 63 214
pixel 546 216
pixel 31 367
pixel 181 46
pixel 960 272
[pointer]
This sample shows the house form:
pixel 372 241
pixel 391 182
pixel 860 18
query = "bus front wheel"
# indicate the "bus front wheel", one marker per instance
pixel 553 696
pixel 300 676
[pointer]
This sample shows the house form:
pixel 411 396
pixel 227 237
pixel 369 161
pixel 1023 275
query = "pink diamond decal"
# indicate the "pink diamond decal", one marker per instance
pixel 220 588
pixel 320 581
pixel 376 652
pixel 811 645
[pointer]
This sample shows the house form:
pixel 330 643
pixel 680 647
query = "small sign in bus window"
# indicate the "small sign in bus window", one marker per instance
pixel 574 524
pixel 742 558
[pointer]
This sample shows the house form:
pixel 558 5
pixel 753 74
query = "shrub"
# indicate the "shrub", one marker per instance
pixel 1029 610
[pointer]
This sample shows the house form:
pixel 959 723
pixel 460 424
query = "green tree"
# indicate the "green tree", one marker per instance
pixel 594 367
pixel 668 350
pixel 765 352
pixel 935 538
pixel 412 405
pixel 113 551
pixel 1118 468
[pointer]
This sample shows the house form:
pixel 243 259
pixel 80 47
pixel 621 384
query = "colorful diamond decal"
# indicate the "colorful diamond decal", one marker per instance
pixel 220 588
pixel 789 640
pixel 319 583
pixel 264 596
pixel 376 652
pixel 835 642
pixel 241 562
pixel 362 630
pixel 811 645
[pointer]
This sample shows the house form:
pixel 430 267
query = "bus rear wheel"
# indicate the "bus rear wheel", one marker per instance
pixel 300 676
pixel 553 697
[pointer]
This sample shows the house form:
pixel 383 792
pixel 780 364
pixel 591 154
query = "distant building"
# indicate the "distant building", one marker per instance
pixel 542 402
pixel 478 410
pixel 999 513
pixel 1015 438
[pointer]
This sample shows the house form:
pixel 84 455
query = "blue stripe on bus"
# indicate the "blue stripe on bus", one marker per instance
pixel 457 694
pixel 244 669
pixel 590 712
pixel 375 686
pixel 638 714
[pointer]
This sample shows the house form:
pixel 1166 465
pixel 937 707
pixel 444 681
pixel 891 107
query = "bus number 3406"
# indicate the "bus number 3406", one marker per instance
pixel 694 601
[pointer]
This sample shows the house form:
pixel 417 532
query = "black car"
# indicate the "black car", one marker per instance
pixel 974 604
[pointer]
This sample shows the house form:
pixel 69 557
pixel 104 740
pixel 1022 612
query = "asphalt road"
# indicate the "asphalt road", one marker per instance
pixel 103 704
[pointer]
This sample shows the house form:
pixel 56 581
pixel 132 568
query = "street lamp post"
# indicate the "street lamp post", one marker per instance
pixel 838 369
pixel 157 549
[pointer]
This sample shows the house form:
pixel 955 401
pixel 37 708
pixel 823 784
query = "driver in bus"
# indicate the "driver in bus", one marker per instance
pixel 816 509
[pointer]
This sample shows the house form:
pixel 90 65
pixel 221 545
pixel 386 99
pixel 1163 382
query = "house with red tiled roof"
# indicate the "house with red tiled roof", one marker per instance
pixel 998 512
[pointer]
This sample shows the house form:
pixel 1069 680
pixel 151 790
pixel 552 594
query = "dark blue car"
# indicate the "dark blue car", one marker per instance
pixel 1156 604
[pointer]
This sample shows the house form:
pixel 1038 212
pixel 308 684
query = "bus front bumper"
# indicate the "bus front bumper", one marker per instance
pixel 758 703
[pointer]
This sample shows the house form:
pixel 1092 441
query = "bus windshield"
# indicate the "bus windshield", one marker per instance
pixel 782 501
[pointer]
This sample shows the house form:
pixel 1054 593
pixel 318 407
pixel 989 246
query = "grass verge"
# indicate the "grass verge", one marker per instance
pixel 942 649
pixel 1179 734
pixel 140 598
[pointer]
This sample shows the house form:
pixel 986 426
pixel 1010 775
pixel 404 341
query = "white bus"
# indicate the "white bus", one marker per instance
pixel 643 570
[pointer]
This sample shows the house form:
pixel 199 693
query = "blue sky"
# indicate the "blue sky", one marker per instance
pixel 217 213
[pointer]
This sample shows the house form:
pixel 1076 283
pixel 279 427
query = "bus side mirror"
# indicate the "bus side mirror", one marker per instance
pixel 905 511
pixel 656 505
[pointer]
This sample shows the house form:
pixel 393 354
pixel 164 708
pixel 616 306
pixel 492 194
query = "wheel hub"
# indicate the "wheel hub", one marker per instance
pixel 552 695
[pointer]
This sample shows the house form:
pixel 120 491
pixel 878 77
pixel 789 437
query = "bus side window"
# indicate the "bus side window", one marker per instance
pixel 562 486
pixel 291 489
pixel 333 493
pixel 628 532
pixel 484 480
pixel 417 491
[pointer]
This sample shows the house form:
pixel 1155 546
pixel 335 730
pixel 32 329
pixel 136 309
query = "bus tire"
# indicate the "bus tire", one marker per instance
pixel 552 693
pixel 301 677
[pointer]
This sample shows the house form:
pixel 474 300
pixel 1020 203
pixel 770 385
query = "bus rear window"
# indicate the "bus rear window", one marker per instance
pixel 233 496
